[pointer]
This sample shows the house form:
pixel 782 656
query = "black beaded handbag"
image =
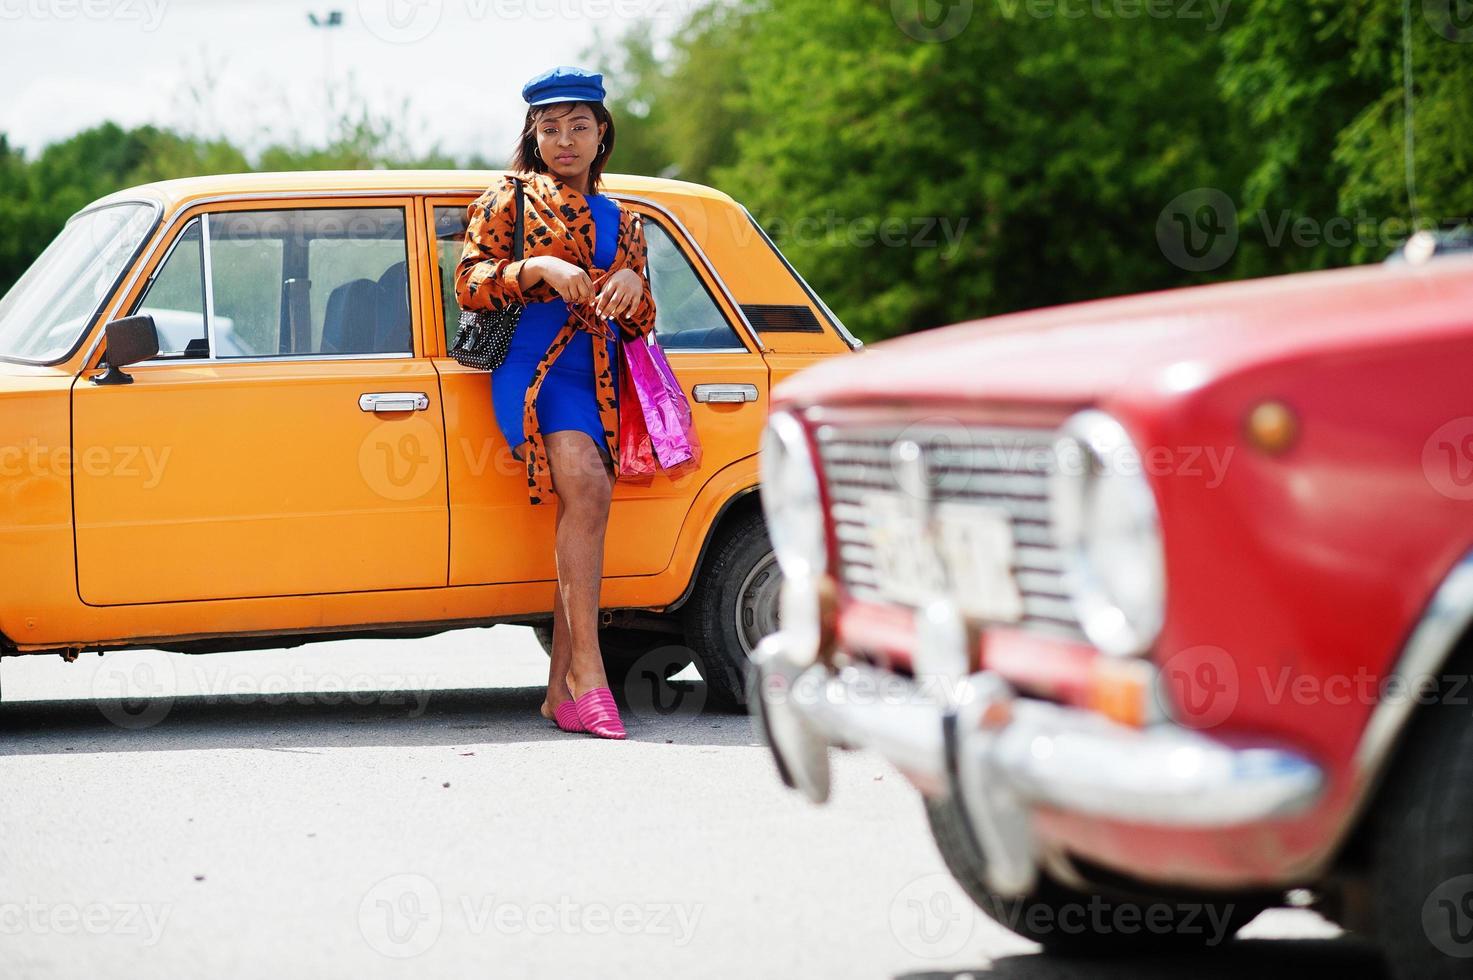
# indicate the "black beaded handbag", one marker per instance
pixel 485 335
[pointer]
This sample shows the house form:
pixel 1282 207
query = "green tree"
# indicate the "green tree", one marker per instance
pixel 1039 141
pixel 679 103
pixel 1319 85
pixel 1051 146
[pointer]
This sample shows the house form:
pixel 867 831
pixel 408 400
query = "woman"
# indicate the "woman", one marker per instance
pixel 583 282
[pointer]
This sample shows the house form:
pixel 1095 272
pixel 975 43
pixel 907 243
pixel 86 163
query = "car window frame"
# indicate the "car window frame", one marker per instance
pixel 668 223
pixel 163 245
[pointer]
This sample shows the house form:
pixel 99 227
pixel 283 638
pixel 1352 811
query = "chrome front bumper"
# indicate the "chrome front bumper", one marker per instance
pixel 1001 756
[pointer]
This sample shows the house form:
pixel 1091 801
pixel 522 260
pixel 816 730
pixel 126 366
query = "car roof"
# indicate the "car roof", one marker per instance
pixel 183 190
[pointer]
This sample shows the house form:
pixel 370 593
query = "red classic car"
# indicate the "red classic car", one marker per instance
pixel 1162 602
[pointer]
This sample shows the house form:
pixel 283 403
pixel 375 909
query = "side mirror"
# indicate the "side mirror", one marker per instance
pixel 130 339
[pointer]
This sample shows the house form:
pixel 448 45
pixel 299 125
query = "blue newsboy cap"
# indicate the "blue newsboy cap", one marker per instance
pixel 564 84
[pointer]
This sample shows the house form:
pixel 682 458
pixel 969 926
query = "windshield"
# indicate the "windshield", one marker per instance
pixel 49 306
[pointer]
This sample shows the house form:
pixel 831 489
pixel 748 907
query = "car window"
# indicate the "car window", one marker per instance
pixel 176 299
pixel 301 281
pixel 686 315
pixel 246 273
pixel 450 224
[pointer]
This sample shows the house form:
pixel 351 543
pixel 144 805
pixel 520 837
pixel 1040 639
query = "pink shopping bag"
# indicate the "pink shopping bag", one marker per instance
pixel 636 451
pixel 666 410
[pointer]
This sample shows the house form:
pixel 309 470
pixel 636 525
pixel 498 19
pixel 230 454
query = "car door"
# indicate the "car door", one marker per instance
pixel 495 534
pixel 286 440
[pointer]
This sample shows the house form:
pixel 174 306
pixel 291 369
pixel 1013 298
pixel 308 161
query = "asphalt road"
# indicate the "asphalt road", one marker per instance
pixel 399 809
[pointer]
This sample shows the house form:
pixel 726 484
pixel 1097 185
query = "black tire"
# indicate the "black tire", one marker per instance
pixel 734 604
pixel 622 649
pixel 1058 917
pixel 1422 846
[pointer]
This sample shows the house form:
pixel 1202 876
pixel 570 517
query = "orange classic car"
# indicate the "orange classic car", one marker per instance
pixel 229 421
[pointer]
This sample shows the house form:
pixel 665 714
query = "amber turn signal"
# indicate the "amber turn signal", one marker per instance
pixel 1272 427
pixel 1124 691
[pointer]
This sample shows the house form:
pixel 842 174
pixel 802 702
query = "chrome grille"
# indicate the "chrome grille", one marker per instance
pixel 1004 468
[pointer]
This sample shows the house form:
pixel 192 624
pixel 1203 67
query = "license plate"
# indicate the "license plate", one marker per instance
pixel 972 562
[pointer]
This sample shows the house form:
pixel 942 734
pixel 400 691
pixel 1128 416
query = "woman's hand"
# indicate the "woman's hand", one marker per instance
pixel 621 292
pixel 572 283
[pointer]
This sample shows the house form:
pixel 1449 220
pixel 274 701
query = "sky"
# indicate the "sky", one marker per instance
pixel 255 71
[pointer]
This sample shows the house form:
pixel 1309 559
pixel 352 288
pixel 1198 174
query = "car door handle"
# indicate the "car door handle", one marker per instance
pixel 393 401
pixel 725 393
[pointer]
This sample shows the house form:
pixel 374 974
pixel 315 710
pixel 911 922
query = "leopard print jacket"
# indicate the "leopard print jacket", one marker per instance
pixel 558 223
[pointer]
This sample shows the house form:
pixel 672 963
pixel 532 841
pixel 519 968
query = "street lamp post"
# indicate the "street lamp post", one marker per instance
pixel 328 21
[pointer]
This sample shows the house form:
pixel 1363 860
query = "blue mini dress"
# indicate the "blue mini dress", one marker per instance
pixel 566 401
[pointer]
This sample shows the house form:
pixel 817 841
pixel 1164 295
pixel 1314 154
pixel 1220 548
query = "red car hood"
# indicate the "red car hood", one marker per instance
pixel 1160 343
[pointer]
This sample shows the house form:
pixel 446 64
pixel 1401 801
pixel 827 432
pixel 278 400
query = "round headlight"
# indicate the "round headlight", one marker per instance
pixel 1106 525
pixel 790 498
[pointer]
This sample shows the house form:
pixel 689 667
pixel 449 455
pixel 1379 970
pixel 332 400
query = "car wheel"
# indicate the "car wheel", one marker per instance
pixel 733 607
pixel 623 648
pixel 1422 849
pixel 1069 922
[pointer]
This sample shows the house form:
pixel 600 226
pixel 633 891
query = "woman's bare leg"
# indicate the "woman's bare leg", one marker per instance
pixel 561 660
pixel 584 487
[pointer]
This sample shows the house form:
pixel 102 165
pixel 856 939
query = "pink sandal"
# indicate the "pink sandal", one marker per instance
pixel 565 716
pixel 598 713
